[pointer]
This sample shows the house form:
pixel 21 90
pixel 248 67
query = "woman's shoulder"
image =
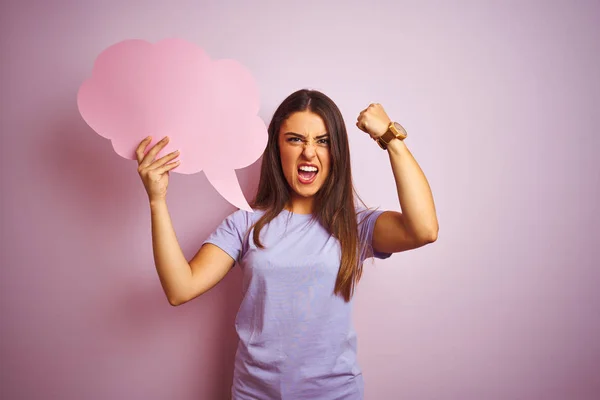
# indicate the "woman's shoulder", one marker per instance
pixel 363 213
pixel 243 219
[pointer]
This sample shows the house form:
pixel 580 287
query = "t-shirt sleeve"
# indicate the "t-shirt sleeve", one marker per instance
pixel 229 235
pixel 366 226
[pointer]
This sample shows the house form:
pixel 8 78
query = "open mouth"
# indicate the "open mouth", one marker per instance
pixel 307 174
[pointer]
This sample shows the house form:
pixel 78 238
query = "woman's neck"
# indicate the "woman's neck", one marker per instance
pixel 300 205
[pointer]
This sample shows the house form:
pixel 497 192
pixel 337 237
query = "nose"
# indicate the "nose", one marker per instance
pixel 309 149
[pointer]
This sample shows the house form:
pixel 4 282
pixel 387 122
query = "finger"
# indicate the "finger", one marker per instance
pixel 149 158
pixel 168 167
pixel 163 160
pixel 139 151
pixel 360 126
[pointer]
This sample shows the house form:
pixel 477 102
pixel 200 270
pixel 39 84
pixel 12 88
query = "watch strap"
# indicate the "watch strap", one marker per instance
pixel 392 133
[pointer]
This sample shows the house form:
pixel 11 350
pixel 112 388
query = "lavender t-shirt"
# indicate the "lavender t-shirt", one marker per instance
pixel 296 338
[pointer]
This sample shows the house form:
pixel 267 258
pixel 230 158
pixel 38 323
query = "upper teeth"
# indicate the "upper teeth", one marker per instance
pixel 308 169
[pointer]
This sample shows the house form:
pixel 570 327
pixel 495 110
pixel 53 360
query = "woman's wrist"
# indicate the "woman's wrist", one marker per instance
pixel 158 202
pixel 396 146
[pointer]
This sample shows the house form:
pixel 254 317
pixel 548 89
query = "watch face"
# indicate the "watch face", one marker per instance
pixel 400 129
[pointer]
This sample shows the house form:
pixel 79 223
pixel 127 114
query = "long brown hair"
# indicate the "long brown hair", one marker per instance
pixel 334 202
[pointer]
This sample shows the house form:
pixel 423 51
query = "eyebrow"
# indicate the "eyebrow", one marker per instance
pixel 304 137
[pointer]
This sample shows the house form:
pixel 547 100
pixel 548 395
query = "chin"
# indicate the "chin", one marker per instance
pixel 306 193
pixel 307 190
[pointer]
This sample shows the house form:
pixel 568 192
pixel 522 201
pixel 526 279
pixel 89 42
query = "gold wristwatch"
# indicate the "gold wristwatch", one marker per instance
pixel 395 131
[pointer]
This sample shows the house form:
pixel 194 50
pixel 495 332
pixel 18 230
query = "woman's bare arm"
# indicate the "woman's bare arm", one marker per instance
pixel 183 281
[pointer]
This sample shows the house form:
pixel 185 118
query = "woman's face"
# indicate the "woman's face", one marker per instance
pixel 305 154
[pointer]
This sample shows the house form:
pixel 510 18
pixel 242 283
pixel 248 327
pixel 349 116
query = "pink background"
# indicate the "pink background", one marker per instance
pixel 501 104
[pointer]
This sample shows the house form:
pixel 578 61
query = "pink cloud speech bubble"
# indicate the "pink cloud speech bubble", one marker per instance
pixel 208 108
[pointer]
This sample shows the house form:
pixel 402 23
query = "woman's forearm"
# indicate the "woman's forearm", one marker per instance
pixel 414 193
pixel 173 269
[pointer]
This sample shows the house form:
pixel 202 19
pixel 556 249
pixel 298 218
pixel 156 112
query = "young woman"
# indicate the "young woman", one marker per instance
pixel 301 251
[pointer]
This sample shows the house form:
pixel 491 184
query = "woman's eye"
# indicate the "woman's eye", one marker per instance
pixel 324 141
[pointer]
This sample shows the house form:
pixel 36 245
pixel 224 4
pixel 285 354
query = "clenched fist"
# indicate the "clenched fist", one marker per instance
pixel 373 120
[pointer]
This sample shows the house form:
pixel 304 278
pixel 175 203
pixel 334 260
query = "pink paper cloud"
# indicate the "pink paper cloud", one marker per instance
pixel 208 108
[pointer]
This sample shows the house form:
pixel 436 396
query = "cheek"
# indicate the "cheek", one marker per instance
pixel 326 162
pixel 288 162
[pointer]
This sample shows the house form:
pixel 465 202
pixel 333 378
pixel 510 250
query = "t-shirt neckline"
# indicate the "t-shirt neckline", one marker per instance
pixel 297 215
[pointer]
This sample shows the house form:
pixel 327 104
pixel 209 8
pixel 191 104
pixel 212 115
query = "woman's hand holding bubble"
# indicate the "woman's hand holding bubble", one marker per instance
pixel 155 173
